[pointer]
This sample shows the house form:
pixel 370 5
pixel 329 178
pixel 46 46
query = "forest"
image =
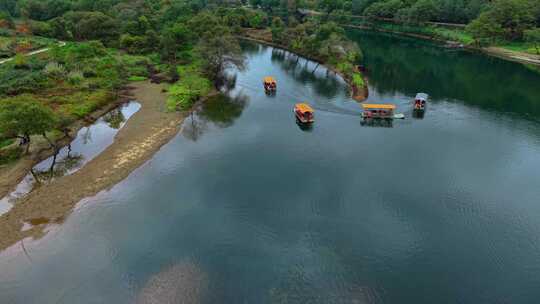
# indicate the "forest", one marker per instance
pixel 487 22
pixel 497 22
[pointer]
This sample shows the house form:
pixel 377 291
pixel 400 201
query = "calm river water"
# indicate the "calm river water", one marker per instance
pixel 244 206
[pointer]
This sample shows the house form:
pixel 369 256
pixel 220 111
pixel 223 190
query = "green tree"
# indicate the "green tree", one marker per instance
pixel 512 16
pixel 484 29
pixel 328 6
pixel 23 117
pixel 174 39
pixel 10 7
pixel 421 11
pixel 533 38
pixel 384 9
pixel 220 51
pixel 277 28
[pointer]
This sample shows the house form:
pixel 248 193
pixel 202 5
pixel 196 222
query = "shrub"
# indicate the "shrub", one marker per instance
pixel 190 87
pixel 9 155
pixel 54 70
pixel 4 142
pixel 20 61
pixel 358 80
pixel 137 78
pixel 75 77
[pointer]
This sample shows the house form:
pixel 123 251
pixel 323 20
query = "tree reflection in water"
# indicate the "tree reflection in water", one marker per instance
pixel 220 111
pixel 115 118
pixel 305 71
pixel 58 167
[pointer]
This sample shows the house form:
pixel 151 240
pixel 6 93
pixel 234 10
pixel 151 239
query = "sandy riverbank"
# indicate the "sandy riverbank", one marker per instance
pixel 12 174
pixel 144 134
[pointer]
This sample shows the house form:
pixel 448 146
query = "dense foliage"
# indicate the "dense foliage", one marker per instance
pixel 489 21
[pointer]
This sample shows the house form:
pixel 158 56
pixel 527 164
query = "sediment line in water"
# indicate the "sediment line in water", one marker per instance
pixel 358 94
pixel 144 134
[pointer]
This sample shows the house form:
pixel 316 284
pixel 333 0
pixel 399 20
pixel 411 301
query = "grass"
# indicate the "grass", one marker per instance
pixel 519 47
pixel 191 86
pixel 10 155
pixel 137 78
pixel 5 142
pixel 358 80
pixel 10 45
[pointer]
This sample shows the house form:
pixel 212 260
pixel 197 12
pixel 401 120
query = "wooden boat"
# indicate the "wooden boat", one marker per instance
pixel 304 113
pixel 270 84
pixel 420 101
pixel 378 111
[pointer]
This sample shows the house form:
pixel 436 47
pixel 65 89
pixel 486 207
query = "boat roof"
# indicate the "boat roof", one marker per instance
pixel 385 106
pixel 303 107
pixel 421 96
pixel 269 79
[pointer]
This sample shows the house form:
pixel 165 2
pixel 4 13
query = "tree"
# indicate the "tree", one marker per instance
pixel 485 29
pixel 385 9
pixel 23 117
pixel 533 38
pixel 174 39
pixel 330 5
pixel 219 52
pixel 421 11
pixel 510 16
pixel 9 6
pixel 277 28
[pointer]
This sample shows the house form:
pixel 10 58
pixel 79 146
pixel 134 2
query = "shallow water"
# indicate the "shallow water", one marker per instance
pixel 247 207
pixel 89 142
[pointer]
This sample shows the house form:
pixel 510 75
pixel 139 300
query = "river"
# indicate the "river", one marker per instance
pixel 245 206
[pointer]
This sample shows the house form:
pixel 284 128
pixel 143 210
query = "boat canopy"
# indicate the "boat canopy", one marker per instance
pixel 372 106
pixel 421 96
pixel 303 107
pixel 269 79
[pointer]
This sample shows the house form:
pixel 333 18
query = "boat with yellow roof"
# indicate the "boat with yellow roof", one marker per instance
pixel 304 113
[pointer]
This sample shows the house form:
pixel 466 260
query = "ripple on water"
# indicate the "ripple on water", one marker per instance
pixel 89 142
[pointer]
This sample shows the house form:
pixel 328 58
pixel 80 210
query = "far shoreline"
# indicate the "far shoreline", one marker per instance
pixel 492 51
pixel 359 94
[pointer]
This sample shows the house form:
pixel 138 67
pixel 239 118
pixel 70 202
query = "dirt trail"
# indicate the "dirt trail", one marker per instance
pixel 144 134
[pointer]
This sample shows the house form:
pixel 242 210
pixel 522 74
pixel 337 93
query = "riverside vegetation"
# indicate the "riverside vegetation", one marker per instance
pixel 510 24
pixel 187 43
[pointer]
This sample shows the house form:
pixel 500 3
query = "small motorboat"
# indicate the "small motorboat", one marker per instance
pixel 304 113
pixel 420 102
pixel 270 85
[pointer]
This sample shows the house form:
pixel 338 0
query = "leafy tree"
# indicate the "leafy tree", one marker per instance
pixel 533 37
pixel 23 117
pixel 44 9
pixel 174 39
pixel 385 9
pixel 514 16
pixel 328 6
pixel 6 21
pixel 85 26
pixel 10 7
pixel 220 51
pixel 277 28
pixel 421 11
pixel 504 19
pixel 485 29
